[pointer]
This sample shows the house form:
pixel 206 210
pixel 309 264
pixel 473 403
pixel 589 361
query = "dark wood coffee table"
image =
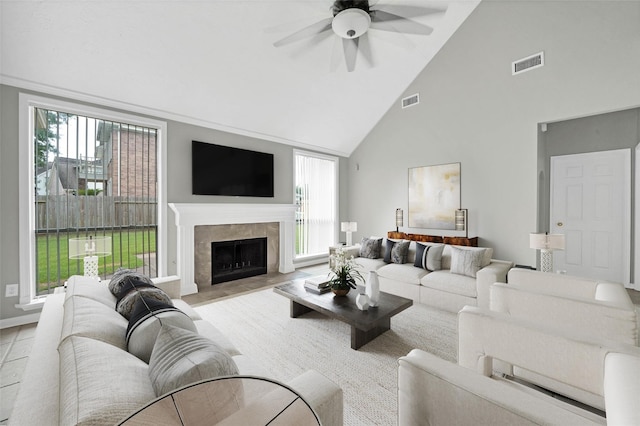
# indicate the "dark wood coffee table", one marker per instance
pixel 365 325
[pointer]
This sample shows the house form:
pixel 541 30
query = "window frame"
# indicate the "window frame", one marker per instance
pixel 300 259
pixel 27 103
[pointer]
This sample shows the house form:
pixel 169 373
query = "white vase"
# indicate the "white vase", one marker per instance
pixel 372 289
pixel 362 301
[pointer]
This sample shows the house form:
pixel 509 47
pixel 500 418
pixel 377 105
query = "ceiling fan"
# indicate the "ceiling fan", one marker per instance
pixel 352 19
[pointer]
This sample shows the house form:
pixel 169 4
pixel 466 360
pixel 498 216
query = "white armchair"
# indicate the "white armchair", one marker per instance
pixel 602 309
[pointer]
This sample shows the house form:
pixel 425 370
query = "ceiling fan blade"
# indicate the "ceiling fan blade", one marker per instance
pixel 350 48
pixel 404 11
pixel 386 21
pixel 364 47
pixel 310 31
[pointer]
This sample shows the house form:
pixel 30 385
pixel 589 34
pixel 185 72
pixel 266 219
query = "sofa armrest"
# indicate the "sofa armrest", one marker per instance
pixel 495 272
pixel 324 396
pixel 607 320
pixel 622 389
pixel 433 391
pixel 170 285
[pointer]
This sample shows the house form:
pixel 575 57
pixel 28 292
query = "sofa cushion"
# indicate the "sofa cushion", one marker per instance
pixel 429 256
pixel 365 265
pixel 397 251
pixel 370 248
pixel 120 278
pixel 405 273
pixel 89 392
pixel 90 318
pixel 131 291
pixel 443 280
pixel 181 357
pixel 148 317
pixel 91 289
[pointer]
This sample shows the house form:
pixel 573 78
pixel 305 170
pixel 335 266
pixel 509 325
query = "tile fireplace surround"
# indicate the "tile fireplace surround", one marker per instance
pixel 191 215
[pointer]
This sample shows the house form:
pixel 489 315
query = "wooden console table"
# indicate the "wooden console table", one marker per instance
pixel 456 241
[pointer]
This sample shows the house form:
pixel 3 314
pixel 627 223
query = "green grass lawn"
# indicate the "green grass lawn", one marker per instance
pixel 125 246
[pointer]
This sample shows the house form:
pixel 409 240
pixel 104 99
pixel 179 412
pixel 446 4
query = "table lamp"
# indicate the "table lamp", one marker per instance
pixel 399 219
pixel 90 249
pixel 349 228
pixel 546 243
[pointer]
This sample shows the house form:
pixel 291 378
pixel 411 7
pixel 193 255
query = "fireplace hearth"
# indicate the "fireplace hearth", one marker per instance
pixel 232 260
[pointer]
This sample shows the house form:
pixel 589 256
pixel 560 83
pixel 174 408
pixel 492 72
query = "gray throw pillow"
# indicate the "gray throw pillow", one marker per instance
pixel 466 262
pixel 370 248
pixel 148 317
pixel 181 357
pixel 120 278
pixel 397 251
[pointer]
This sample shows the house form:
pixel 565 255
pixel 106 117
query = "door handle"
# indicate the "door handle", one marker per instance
pixel 559 223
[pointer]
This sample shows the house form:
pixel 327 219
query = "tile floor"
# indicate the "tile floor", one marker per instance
pixel 15 342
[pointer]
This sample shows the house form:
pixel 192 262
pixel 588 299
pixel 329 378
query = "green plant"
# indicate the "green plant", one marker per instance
pixel 343 270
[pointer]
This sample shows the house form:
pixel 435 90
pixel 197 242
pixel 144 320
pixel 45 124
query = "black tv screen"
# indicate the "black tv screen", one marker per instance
pixel 223 170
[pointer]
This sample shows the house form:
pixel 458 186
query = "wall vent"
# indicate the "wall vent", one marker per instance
pixel 410 101
pixel 528 63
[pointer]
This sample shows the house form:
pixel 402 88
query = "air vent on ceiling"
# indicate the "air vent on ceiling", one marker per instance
pixel 528 63
pixel 410 101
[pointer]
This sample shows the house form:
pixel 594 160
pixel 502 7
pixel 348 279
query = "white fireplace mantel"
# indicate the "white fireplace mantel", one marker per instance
pixel 190 215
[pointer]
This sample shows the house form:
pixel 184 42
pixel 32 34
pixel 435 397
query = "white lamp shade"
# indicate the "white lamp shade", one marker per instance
pixel 540 241
pixel 351 23
pixel 399 217
pixel 81 247
pixel 349 226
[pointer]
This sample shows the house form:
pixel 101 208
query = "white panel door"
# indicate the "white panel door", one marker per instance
pixel 591 206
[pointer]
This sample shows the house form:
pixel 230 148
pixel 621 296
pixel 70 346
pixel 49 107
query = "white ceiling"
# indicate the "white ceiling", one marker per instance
pixel 213 63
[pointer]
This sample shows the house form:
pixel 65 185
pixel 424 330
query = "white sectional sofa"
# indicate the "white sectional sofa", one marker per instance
pixel 445 288
pixel 80 371
pixel 601 374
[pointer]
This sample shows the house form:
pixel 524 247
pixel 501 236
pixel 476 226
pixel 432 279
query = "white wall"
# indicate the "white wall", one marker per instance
pixel 473 111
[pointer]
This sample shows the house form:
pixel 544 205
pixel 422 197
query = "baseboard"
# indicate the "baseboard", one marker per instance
pixel 21 320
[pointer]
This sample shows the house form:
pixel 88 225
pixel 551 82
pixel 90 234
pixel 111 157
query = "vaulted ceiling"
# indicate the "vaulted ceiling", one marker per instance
pixel 214 63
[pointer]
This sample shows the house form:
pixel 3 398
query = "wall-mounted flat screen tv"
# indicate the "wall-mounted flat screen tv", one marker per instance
pixel 224 170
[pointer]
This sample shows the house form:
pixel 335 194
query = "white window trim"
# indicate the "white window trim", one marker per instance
pixel 28 299
pixel 299 260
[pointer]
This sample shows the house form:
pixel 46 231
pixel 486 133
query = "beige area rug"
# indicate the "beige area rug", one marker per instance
pixel 258 324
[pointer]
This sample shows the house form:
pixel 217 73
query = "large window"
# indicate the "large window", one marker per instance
pixel 316 179
pixel 92 175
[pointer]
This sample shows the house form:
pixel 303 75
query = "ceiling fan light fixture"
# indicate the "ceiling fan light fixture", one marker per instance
pixel 351 23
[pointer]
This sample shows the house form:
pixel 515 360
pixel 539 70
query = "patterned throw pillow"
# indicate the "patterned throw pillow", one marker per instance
pixel 397 251
pixel 466 262
pixel 429 256
pixel 370 247
pixel 132 289
pixel 120 278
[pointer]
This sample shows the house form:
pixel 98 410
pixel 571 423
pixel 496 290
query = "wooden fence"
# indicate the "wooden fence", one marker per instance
pixel 58 212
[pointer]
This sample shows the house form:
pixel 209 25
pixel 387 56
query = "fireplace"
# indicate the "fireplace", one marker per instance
pixel 232 260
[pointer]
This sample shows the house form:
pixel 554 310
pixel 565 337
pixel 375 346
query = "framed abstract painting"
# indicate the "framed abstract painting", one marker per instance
pixel 434 196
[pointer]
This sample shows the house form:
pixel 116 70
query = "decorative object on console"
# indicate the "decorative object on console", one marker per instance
pixel 344 272
pixel 546 243
pixel 372 289
pixel 349 228
pixel 462 221
pixel 434 196
pixel 90 249
pixel 399 219
pixel 362 301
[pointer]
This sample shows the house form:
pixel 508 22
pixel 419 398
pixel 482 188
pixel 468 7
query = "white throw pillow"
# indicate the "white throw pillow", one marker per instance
pixel 181 357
